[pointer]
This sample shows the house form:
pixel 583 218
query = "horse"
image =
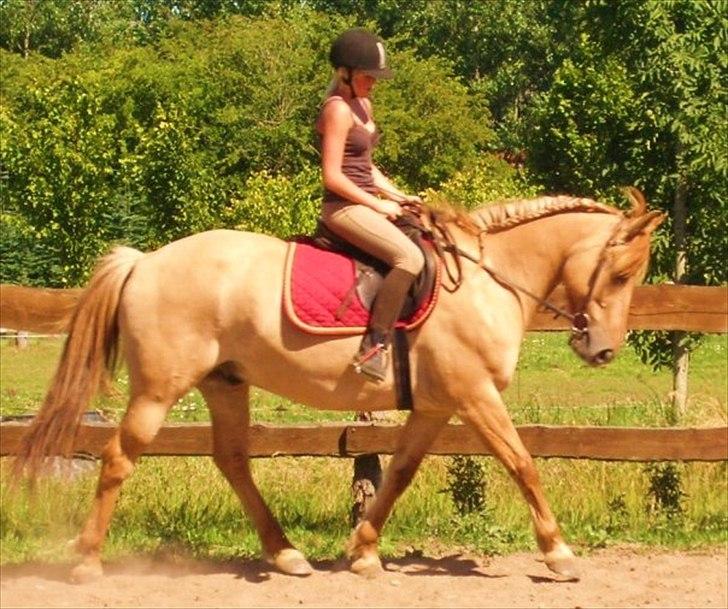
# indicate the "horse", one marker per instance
pixel 206 311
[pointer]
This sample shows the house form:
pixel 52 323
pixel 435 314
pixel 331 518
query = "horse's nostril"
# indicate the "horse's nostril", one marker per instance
pixel 605 356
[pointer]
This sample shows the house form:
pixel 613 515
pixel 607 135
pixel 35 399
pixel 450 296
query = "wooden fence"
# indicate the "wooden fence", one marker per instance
pixel 355 439
pixel 665 307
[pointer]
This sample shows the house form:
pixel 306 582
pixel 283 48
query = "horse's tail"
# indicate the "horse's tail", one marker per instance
pixel 88 358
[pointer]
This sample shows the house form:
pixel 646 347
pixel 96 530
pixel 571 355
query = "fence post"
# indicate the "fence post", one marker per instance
pixel 21 339
pixel 367 476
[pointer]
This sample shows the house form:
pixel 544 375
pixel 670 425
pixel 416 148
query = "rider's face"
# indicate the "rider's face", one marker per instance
pixel 362 83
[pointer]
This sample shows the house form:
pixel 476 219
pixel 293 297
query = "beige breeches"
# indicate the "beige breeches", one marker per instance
pixel 371 232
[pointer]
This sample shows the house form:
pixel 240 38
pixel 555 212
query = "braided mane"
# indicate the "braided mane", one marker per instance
pixel 502 216
pixel 497 217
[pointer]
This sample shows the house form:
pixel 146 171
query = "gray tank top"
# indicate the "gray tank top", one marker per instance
pixel 357 162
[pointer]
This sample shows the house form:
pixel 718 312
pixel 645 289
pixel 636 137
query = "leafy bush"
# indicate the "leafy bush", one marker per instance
pixel 147 144
pixel 488 180
pixel 277 204
pixel 466 483
pixel 665 494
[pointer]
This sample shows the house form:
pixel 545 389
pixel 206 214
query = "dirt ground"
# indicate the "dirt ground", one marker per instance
pixel 610 578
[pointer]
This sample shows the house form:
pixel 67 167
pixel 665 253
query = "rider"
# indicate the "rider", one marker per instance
pixel 359 201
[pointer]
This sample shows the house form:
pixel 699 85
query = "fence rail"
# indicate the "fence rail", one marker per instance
pixel 354 439
pixel 657 307
pixel 654 307
pixel 660 307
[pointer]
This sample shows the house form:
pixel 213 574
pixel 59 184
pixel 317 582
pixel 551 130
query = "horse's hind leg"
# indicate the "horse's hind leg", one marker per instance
pixel 490 420
pixel 419 432
pixel 228 403
pixel 143 418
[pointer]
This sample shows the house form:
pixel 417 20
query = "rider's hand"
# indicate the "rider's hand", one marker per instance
pixel 391 209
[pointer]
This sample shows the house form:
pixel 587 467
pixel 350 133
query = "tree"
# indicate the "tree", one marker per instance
pixel 148 143
pixel 641 100
pixel 54 27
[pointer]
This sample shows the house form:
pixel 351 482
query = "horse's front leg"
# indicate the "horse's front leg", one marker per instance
pixel 418 433
pixel 488 417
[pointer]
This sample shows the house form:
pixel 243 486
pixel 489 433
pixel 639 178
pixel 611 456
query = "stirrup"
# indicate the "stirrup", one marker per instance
pixel 372 362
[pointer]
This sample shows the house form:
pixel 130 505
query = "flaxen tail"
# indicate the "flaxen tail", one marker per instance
pixel 89 356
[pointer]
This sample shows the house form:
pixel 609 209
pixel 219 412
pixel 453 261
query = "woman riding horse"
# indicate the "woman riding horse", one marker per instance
pixel 351 207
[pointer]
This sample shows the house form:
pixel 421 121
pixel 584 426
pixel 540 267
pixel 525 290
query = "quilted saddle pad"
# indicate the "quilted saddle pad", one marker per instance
pixel 320 293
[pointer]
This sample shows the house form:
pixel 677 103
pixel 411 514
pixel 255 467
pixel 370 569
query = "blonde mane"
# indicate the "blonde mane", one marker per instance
pixel 502 216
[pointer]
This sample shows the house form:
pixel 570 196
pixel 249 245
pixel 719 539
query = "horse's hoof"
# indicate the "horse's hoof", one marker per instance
pixel 563 562
pixel 367 566
pixel 291 562
pixel 87 572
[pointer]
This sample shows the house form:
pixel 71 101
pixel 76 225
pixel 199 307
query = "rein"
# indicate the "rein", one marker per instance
pixel 579 321
pixel 446 243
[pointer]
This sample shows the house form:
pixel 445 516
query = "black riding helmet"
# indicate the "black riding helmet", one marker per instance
pixel 357 49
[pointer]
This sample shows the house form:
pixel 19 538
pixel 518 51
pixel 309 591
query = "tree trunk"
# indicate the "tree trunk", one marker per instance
pixel 680 351
pixel 21 339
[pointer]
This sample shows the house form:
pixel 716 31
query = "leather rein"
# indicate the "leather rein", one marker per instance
pixel 443 241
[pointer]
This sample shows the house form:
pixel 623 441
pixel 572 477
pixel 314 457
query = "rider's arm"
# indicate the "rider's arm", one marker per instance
pixel 385 186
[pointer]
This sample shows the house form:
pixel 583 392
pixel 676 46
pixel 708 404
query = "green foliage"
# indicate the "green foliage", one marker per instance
pixel 466 484
pixel 148 144
pixel 26 260
pixel 179 189
pixel 487 180
pixel 617 514
pixel 430 126
pixel 277 205
pixel 577 130
pixel 640 100
pixel 53 27
pixel 62 173
pixel 665 494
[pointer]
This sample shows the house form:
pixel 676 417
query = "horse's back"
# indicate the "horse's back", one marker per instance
pixel 190 285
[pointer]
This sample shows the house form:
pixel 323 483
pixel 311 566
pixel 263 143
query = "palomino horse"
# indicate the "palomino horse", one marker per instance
pixel 206 311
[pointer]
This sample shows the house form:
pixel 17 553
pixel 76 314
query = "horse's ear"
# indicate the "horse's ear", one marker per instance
pixel 641 225
pixel 639 203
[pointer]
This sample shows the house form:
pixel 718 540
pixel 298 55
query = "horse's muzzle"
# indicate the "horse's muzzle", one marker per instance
pixel 591 352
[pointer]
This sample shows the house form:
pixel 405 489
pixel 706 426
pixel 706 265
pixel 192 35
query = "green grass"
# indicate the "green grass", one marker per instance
pixel 184 505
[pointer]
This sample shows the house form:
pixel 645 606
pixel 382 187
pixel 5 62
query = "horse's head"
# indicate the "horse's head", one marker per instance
pixel 600 291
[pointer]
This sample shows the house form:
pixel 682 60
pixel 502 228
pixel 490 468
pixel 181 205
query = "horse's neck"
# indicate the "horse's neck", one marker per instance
pixel 533 255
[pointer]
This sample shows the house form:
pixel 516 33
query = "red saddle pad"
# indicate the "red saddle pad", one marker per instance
pixel 319 294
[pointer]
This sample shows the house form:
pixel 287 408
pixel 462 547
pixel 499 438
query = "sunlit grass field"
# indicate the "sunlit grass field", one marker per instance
pixel 184 505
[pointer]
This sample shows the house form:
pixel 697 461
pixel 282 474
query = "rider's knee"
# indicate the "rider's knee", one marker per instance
pixel 412 260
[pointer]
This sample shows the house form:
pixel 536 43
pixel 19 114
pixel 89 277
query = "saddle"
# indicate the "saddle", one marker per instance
pixel 330 285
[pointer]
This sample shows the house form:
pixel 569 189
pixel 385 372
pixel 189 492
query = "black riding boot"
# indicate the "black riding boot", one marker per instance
pixel 372 358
